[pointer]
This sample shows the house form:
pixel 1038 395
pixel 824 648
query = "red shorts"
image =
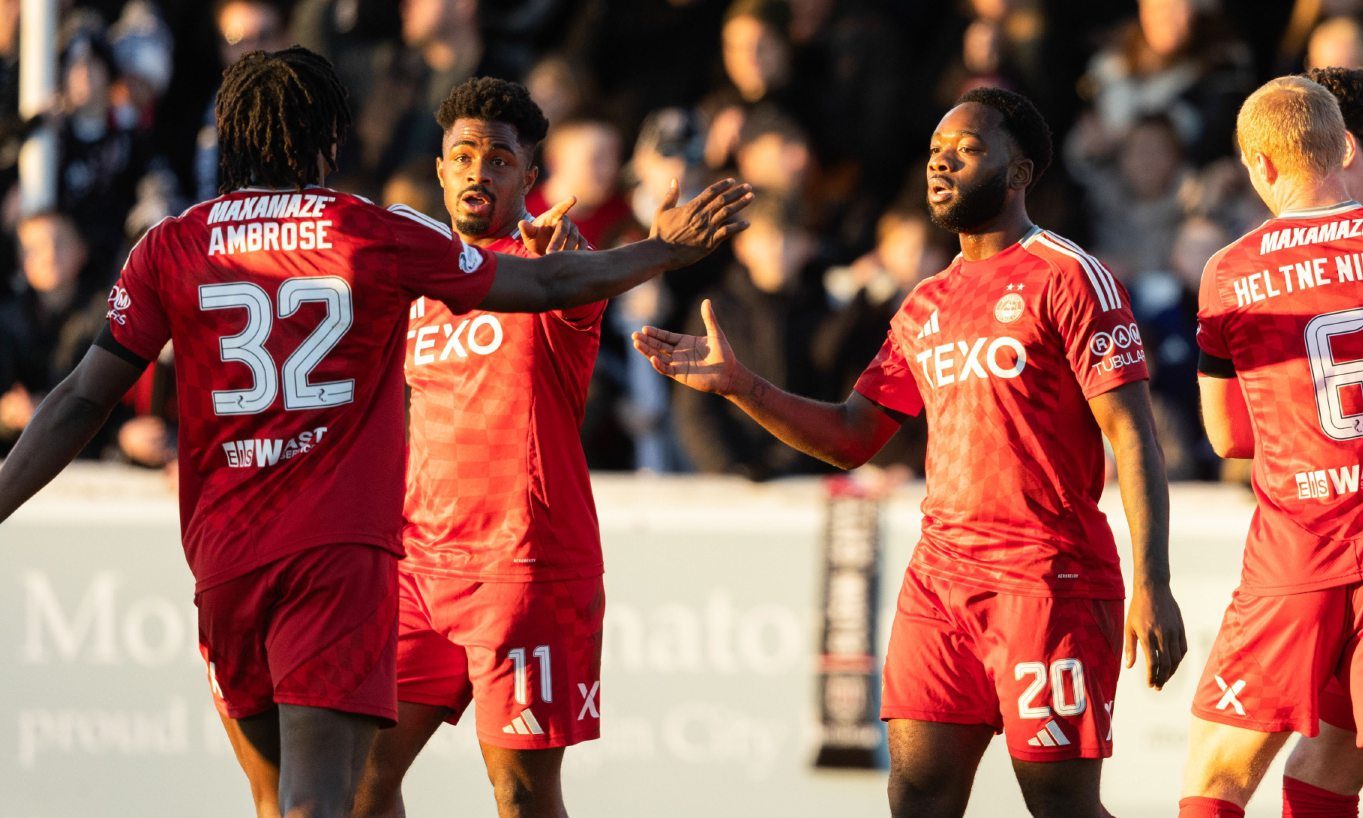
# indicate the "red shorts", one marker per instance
pixel 315 628
pixel 528 654
pixel 1040 670
pixel 1275 656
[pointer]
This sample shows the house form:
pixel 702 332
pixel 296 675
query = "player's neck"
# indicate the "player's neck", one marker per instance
pixel 1328 192
pixel 994 237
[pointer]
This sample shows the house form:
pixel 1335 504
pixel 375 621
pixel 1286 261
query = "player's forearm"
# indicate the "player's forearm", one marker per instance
pixel 569 279
pixel 1145 497
pixel 821 430
pixel 63 425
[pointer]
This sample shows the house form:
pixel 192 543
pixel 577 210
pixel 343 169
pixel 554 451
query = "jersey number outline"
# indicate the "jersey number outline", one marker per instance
pixel 1027 706
pixel 1329 377
pixel 248 346
pixel 517 657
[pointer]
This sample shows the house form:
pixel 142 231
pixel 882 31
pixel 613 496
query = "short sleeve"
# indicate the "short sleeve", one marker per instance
pixel 433 262
pixel 1092 313
pixel 137 317
pixel 888 380
pixel 1211 315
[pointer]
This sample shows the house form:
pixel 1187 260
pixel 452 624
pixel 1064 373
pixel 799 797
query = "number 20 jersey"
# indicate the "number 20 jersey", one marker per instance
pixel 288 316
pixel 1284 306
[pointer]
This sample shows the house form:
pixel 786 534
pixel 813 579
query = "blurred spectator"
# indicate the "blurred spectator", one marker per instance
pixel 770 315
pixel 582 158
pixel 142 49
pixel 347 32
pixel 863 297
pixel 1337 42
pixel 242 26
pixel 441 46
pixel 1165 305
pixel 773 153
pixel 102 154
pixel 415 185
pixel 558 87
pixel 1132 189
pixel 1175 59
pixel 46 329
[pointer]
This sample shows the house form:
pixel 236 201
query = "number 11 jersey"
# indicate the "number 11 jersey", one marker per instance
pixel 288 316
pixel 1282 310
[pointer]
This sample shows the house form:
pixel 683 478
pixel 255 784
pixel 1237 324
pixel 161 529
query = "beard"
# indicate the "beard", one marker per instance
pixel 475 226
pixel 973 206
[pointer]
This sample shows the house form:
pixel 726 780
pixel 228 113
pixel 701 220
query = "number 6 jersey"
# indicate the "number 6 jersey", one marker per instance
pixel 1282 310
pixel 288 316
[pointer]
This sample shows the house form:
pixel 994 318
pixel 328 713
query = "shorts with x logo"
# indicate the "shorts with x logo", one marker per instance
pixel 1276 657
pixel 527 655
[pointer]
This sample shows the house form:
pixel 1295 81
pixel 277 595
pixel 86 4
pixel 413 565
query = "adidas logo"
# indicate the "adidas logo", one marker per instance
pixel 1049 736
pixel 931 326
pixel 526 725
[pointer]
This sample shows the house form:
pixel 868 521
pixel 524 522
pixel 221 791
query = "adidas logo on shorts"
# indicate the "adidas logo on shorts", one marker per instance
pixel 526 725
pixel 1049 736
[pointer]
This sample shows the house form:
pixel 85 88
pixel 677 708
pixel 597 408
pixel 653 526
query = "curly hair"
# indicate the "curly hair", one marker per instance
pixel 277 112
pixel 1346 84
pixel 495 100
pixel 1022 121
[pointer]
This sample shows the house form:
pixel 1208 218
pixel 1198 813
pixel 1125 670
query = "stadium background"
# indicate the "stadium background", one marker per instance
pixel 825 106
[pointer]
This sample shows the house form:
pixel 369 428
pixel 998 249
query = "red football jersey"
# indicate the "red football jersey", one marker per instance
pixel 286 310
pixel 1004 354
pixel 497 483
pixel 1284 306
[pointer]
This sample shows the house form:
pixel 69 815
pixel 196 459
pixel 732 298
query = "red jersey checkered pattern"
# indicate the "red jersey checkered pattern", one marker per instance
pixel 1004 354
pixel 286 313
pixel 497 484
pixel 1285 305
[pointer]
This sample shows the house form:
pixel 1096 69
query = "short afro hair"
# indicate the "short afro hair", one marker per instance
pixel 1346 84
pixel 1022 121
pixel 495 100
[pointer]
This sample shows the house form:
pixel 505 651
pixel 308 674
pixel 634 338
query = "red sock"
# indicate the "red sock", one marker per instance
pixel 1302 800
pixel 1198 806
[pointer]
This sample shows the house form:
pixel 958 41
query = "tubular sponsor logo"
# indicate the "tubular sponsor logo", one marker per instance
pixel 119 302
pixel 1117 349
pixel 958 362
pixel 1324 484
pixel 261 452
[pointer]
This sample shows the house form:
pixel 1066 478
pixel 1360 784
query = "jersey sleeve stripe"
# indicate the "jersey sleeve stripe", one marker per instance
pixel 1107 299
pixel 1103 273
pixel 421 218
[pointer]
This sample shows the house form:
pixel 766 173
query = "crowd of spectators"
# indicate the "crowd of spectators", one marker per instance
pixel 825 105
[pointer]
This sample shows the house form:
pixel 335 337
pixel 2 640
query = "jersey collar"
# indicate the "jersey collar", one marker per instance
pixel 1317 212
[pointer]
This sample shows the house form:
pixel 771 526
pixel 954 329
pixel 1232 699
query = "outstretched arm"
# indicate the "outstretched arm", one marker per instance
pixel 1154 620
pixel 681 236
pixel 63 425
pixel 844 434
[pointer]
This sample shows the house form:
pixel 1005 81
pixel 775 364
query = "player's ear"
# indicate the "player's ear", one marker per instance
pixel 1020 174
pixel 530 176
pixel 1350 148
pixel 1266 167
pixel 440 171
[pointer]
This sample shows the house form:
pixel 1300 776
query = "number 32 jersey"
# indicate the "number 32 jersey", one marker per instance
pixel 287 312
pixel 1282 310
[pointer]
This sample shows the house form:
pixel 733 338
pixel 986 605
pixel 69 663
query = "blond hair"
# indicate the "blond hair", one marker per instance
pixel 1297 124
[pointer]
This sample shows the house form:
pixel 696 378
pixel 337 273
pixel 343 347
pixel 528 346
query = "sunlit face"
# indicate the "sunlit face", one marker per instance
pixel 585 160
pixel 87 81
pixel 755 58
pixel 970 168
pixel 248 26
pixel 1166 24
pixel 51 253
pixel 485 172
pixel 773 254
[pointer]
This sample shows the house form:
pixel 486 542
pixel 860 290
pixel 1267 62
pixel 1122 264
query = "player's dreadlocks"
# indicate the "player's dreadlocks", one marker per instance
pixel 1022 121
pixel 493 100
pixel 1347 86
pixel 277 112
